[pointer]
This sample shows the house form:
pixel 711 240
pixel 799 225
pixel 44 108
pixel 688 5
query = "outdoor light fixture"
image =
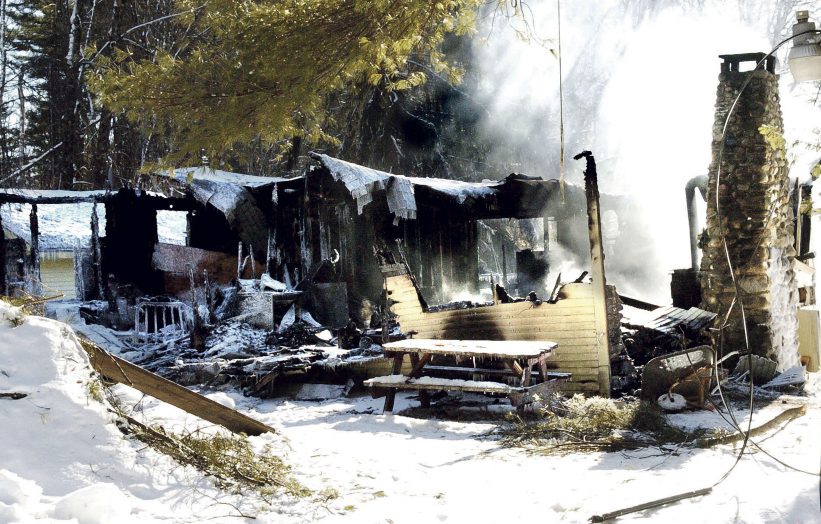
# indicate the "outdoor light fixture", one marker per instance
pixel 805 56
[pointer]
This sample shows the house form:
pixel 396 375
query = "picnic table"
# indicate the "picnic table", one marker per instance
pixel 522 360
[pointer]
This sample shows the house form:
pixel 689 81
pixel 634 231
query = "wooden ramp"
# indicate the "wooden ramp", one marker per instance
pixel 124 372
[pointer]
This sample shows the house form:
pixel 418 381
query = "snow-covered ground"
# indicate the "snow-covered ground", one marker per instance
pixel 62 459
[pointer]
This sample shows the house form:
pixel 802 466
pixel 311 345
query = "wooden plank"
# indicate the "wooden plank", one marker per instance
pixel 403 310
pixel 124 372
pixel 440 384
pixel 407 300
pixel 581 374
pixel 578 321
pixel 577 363
pixel 575 322
pixel 517 369
pixel 473 348
pixel 597 273
pixel 409 297
pixel 390 395
pixel 483 371
pixel 418 363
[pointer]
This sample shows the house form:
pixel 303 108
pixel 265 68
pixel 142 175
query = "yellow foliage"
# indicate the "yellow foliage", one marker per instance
pixel 262 68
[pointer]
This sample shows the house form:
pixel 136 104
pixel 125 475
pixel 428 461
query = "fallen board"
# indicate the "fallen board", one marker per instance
pixel 474 348
pixel 124 372
pixel 433 383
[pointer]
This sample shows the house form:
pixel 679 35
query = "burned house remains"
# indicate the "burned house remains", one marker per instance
pixel 314 237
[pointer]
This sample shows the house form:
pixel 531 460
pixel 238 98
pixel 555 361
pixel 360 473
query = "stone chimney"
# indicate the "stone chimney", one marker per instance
pixel 757 219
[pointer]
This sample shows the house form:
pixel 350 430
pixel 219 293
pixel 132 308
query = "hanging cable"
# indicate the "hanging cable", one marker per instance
pixel 736 300
pixel 561 100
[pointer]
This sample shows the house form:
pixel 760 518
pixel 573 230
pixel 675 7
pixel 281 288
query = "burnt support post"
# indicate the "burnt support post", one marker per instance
pixel 591 190
pixel 35 250
pixel 189 216
pixel 3 287
pixel 96 254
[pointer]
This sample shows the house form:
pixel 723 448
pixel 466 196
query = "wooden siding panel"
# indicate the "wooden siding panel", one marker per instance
pixel 570 322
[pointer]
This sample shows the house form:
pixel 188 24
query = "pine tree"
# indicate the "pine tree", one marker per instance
pixel 261 71
pixel 80 144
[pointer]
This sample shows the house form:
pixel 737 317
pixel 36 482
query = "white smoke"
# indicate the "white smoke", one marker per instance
pixel 639 87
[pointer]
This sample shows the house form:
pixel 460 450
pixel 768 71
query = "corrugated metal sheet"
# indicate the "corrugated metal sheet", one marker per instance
pixel 669 319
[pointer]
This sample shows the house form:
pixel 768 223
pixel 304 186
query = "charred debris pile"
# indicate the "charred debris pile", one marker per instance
pixel 249 336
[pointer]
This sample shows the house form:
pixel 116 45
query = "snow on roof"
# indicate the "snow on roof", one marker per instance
pixel 62 226
pixel 66 226
pixel 363 181
pixel 224 190
pixel 457 188
pixel 189 175
pixel 44 195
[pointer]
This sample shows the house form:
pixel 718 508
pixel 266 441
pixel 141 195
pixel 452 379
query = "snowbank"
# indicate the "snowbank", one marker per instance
pixel 61 457
pixel 56 439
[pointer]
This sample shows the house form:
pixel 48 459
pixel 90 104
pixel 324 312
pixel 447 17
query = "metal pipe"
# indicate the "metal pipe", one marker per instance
pixel 699 182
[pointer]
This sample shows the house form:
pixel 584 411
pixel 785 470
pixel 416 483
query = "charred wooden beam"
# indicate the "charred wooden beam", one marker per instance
pixel 125 372
pixel 591 190
pixel 63 198
pixel 3 290
pixel 636 303
pixel 96 255
pixel 35 246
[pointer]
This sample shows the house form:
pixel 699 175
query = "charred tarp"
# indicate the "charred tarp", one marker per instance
pixel 245 203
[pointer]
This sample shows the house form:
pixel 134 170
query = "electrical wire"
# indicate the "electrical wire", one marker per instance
pixel 736 300
pixel 561 99
pixel 737 290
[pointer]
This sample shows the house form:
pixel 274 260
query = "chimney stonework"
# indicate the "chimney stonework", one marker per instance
pixel 757 220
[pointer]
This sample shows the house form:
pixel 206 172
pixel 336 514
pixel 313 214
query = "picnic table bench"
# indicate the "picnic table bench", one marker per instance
pixel 523 360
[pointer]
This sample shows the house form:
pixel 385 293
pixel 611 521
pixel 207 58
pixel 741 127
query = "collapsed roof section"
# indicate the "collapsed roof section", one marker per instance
pixel 240 198
pixel 246 199
pixel 517 196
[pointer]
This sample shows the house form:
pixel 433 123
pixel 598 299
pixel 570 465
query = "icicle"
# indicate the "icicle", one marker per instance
pixel 253 265
pixel 268 255
pixel 239 262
